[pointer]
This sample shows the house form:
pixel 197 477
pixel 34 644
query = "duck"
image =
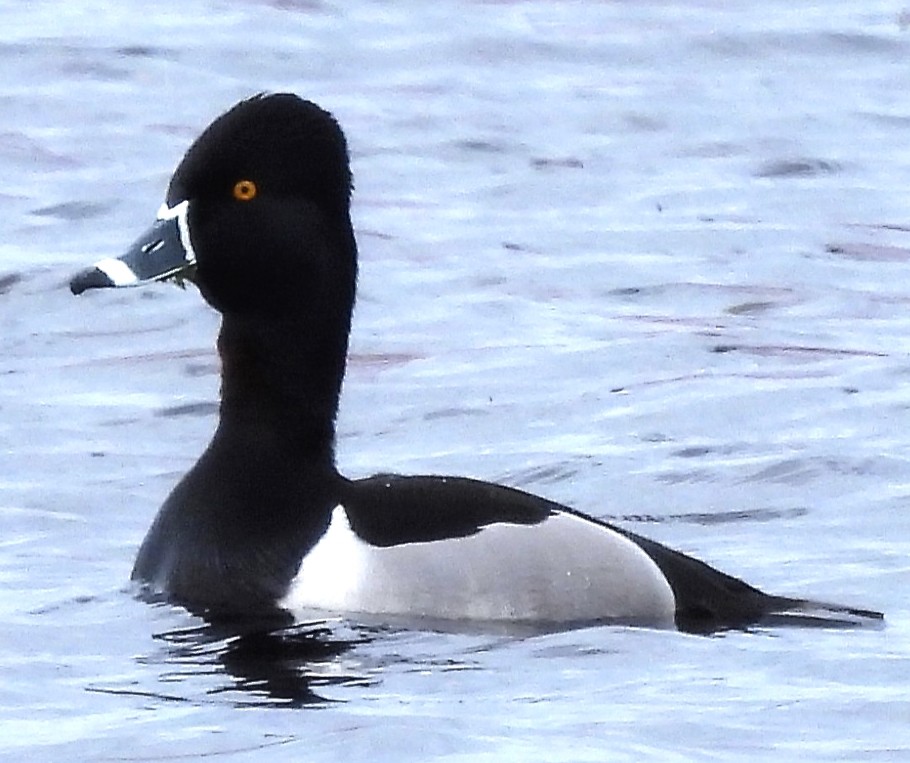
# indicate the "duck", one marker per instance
pixel 257 215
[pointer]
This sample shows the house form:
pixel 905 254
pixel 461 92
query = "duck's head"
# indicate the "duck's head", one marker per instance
pixel 257 215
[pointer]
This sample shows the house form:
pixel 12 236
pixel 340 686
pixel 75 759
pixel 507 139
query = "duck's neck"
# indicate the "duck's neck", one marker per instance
pixel 280 386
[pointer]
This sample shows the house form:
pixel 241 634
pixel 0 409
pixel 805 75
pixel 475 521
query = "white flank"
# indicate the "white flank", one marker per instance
pixel 562 570
pixel 329 576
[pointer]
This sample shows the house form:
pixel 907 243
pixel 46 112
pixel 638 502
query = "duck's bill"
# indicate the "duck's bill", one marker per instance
pixel 163 251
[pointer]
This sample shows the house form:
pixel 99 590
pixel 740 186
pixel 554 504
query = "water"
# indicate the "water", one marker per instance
pixel 649 259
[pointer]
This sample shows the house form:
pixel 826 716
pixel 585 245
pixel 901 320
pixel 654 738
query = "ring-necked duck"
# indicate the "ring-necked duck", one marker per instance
pixel 257 215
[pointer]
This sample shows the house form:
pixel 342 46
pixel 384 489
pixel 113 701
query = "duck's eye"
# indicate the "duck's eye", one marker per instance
pixel 244 190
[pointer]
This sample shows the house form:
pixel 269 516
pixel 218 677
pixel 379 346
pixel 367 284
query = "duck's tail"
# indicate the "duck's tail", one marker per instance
pixel 708 600
pixel 817 614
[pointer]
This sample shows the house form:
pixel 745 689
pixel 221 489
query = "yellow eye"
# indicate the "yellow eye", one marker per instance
pixel 244 190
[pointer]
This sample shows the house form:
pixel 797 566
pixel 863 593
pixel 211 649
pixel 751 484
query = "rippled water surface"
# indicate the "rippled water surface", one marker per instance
pixel 646 258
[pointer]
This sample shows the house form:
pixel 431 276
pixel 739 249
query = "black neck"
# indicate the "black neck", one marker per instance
pixel 281 381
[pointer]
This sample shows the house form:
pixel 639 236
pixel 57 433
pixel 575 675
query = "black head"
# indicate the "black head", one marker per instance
pixel 268 186
pixel 257 215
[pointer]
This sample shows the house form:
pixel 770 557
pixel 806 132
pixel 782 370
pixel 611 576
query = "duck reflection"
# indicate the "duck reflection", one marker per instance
pixel 268 659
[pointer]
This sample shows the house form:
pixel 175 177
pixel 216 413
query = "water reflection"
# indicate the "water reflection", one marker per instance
pixel 270 660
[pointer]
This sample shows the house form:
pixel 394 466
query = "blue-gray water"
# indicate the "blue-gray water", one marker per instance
pixel 646 258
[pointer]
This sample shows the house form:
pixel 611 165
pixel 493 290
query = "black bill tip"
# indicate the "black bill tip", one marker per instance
pixel 90 278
